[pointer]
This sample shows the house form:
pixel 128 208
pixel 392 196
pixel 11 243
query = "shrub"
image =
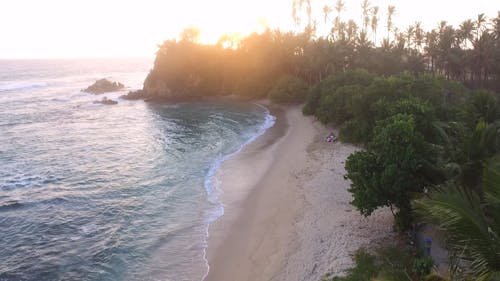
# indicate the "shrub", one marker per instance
pixel 423 266
pixel 289 89
pixel 364 270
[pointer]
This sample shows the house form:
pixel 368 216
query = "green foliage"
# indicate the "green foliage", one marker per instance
pixel 249 69
pixel 363 170
pixel 411 126
pixel 337 107
pixel 337 97
pixel 472 226
pixel 387 264
pixel 484 106
pixel 312 100
pixel 467 54
pixel 359 99
pixel 396 264
pixel 364 270
pixel 423 266
pixel 483 143
pixel 355 131
pixel 289 89
pixel 389 172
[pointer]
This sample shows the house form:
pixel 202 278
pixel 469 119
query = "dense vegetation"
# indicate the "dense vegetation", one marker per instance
pixel 420 103
pixel 251 66
pixel 387 264
pixel 426 139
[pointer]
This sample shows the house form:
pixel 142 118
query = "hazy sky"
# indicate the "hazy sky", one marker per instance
pixel 124 28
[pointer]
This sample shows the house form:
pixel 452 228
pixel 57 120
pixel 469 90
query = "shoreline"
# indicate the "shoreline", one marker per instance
pixel 286 207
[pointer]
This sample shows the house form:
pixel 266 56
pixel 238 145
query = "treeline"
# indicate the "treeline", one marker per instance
pixel 248 68
pixel 251 66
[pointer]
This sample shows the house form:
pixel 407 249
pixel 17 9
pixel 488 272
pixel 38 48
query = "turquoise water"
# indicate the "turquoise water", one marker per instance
pixel 96 192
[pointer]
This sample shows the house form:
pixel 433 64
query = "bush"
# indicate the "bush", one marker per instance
pixel 289 89
pixel 354 131
pixel 387 264
pixel 364 270
pixel 312 101
pixel 423 266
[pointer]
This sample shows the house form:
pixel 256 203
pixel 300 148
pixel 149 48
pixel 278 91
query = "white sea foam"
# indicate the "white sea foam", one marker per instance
pixel 6 86
pixel 212 183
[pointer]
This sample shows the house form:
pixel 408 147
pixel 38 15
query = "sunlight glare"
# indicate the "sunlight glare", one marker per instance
pixel 118 28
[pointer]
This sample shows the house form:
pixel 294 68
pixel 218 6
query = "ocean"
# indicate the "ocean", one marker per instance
pixel 109 192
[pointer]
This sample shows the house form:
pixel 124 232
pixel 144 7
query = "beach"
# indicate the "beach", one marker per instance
pixel 286 207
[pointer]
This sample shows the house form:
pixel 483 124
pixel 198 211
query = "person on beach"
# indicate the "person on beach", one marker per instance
pixel 331 137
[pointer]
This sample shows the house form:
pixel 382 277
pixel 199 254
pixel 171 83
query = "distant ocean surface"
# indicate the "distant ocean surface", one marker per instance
pixel 108 192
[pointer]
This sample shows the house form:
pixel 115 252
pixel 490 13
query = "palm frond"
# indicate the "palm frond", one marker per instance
pixel 459 212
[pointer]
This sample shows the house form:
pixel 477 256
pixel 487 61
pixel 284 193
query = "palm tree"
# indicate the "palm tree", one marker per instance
pixel 366 16
pixel 339 7
pixel 400 40
pixel 410 34
pixel 390 13
pixel 480 23
pixel 472 227
pixel 419 35
pixel 431 39
pixel 351 32
pixel 326 12
pixel 446 40
pixel 374 23
pixel 465 32
pixel 482 54
pixel 496 26
pixel 482 145
pixel 363 41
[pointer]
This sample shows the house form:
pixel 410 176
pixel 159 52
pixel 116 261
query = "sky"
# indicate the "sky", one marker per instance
pixel 134 28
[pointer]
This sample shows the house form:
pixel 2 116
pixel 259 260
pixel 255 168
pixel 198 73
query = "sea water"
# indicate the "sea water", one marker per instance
pixel 109 192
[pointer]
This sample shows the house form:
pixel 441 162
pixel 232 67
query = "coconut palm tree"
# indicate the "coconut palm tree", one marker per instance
pixel 390 13
pixel 431 39
pixel 495 22
pixel 482 54
pixel 327 10
pixel 410 34
pixel 465 32
pixel 352 32
pixel 339 7
pixel 365 6
pixel 472 226
pixel 480 25
pixel 418 35
pixel 482 145
pixel 374 23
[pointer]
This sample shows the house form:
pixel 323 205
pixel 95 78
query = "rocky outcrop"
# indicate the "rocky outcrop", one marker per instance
pixel 156 88
pixel 103 86
pixel 106 101
pixel 134 95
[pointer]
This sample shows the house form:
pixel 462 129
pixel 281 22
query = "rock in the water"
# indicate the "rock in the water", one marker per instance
pixel 134 95
pixel 106 101
pixel 104 86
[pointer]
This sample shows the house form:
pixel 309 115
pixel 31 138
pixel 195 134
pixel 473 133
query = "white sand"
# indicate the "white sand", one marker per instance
pixel 287 212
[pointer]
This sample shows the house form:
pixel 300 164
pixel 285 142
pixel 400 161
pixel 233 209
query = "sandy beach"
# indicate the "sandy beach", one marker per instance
pixel 287 212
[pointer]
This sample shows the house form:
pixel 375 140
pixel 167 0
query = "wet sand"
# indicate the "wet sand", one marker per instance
pixel 286 204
